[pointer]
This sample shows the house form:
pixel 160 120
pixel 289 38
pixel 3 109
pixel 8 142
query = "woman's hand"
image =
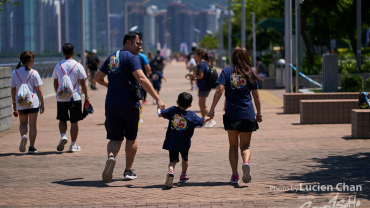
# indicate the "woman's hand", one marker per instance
pixel 259 118
pixel 14 107
pixel 211 113
pixel 42 108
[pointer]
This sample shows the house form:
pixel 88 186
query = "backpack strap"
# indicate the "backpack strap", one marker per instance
pixel 69 73
pixel 61 68
pixel 18 77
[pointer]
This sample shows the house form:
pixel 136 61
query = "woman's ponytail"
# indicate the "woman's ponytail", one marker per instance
pixel 19 65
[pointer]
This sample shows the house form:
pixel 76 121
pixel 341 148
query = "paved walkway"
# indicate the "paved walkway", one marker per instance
pixel 286 155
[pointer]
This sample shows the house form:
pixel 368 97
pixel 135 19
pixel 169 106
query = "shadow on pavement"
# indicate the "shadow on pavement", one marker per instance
pixel 100 183
pixel 351 169
pixel 349 137
pixel 33 154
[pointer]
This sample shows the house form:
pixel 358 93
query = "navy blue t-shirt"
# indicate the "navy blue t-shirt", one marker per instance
pixel 202 82
pixel 238 94
pixel 156 78
pixel 119 94
pixel 180 129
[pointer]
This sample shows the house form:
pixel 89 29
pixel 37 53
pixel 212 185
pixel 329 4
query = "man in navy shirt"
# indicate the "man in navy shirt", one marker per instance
pixel 122 108
pixel 180 129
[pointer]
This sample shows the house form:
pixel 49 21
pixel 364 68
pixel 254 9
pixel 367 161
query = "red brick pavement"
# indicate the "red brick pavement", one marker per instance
pixel 285 154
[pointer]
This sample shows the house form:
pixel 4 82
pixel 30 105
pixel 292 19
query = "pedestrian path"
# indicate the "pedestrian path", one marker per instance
pixel 285 157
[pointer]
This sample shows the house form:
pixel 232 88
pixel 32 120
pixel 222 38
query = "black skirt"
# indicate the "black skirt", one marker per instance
pixel 241 125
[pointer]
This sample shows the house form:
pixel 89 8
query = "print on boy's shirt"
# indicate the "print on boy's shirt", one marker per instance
pixel 113 63
pixel 155 77
pixel 238 81
pixel 179 122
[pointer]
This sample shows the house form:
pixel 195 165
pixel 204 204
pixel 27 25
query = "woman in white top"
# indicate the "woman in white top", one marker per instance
pixel 29 101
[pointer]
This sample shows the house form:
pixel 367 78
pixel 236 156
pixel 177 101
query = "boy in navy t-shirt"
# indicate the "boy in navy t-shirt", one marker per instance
pixel 156 78
pixel 179 132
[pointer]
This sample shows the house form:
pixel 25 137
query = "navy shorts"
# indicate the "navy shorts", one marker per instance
pixel 27 111
pixel 121 123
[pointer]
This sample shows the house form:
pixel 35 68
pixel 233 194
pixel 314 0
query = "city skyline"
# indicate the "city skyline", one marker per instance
pixel 43 26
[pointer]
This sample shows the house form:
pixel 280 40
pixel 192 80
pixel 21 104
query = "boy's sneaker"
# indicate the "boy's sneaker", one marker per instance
pixel 210 124
pixel 22 145
pixel 145 101
pixel 129 175
pixel 184 178
pixel 235 178
pixel 169 180
pixel 247 177
pixel 31 150
pixel 74 148
pixel 141 121
pixel 61 144
pixel 154 102
pixel 108 170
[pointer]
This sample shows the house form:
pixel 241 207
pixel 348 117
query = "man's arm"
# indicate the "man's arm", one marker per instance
pixel 148 87
pixel 56 84
pixel 99 78
pixel 84 89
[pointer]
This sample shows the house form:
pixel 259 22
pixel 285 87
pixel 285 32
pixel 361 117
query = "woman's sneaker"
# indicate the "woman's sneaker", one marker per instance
pixel 74 148
pixel 22 145
pixel 184 178
pixel 247 177
pixel 235 178
pixel 129 175
pixel 169 180
pixel 31 150
pixel 108 170
pixel 61 144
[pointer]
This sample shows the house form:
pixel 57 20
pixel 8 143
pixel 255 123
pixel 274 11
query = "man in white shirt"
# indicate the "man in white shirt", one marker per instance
pixel 77 75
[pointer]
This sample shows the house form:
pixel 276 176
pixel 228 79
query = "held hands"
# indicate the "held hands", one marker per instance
pixel 211 113
pixel 160 104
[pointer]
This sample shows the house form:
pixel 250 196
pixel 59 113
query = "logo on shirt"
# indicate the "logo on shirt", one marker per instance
pixel 155 77
pixel 113 63
pixel 238 81
pixel 179 122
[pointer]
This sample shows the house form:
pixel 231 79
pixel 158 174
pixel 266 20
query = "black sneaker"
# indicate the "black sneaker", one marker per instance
pixel 32 150
pixel 129 175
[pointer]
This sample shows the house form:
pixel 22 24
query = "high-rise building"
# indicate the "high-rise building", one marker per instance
pixel 187 27
pixel 205 23
pixel 174 24
pixel 160 27
pixel 149 26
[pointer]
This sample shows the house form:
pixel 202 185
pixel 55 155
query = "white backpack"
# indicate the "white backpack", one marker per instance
pixel 24 97
pixel 65 89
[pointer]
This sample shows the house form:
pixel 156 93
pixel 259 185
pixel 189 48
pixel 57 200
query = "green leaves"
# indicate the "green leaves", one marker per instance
pixel 3 2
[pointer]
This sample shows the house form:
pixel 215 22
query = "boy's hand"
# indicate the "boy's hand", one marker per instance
pixel 211 113
pixel 206 119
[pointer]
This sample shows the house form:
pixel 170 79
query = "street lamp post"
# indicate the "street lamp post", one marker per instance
pixel 298 41
pixel 358 45
pixel 126 17
pixel 288 46
pixel 82 29
pixel 254 40
pixel 197 31
pixel 108 26
pixel 243 24
pixel 229 33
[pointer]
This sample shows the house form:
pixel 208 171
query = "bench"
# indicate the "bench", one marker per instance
pixel 291 100
pixel 327 111
pixel 360 119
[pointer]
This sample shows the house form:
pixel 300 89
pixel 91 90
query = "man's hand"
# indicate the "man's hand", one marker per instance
pixel 42 108
pixel 160 104
pixel 211 113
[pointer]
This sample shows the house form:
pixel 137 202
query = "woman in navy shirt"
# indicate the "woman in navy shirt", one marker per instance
pixel 201 58
pixel 240 119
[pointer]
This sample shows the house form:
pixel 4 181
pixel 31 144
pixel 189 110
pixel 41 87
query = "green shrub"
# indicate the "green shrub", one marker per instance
pixel 367 85
pixel 352 83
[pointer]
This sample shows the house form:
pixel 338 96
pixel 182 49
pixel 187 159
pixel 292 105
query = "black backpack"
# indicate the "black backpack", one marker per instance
pixel 211 77
pixel 363 101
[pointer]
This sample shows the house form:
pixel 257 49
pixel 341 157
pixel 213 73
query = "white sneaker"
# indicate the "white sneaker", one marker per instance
pixel 22 145
pixel 74 148
pixel 108 170
pixel 61 144
pixel 210 124
pixel 141 121
pixel 247 177
pixel 154 102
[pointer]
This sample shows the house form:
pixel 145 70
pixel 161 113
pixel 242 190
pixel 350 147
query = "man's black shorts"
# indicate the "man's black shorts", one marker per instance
pixel 174 156
pixel 121 123
pixel 75 113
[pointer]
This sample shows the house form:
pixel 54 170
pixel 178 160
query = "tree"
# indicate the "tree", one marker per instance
pixel 3 2
pixel 208 42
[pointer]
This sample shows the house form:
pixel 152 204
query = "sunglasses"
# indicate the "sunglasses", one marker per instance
pixel 137 43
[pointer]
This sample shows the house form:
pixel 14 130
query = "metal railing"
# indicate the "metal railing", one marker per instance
pixel 44 68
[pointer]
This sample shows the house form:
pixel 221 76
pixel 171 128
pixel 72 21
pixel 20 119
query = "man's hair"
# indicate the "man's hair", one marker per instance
pixel 193 48
pixel 185 99
pixel 131 36
pixel 68 48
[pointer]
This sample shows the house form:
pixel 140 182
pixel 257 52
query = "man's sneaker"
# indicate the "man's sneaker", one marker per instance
pixel 22 145
pixel 74 148
pixel 184 178
pixel 169 180
pixel 247 177
pixel 210 124
pixel 61 144
pixel 108 170
pixel 31 150
pixel 235 178
pixel 129 175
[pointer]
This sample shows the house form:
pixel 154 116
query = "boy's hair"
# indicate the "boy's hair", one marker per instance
pixel 185 99
pixel 68 48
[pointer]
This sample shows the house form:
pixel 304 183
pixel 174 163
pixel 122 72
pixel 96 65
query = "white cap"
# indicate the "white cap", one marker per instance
pixel 94 51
